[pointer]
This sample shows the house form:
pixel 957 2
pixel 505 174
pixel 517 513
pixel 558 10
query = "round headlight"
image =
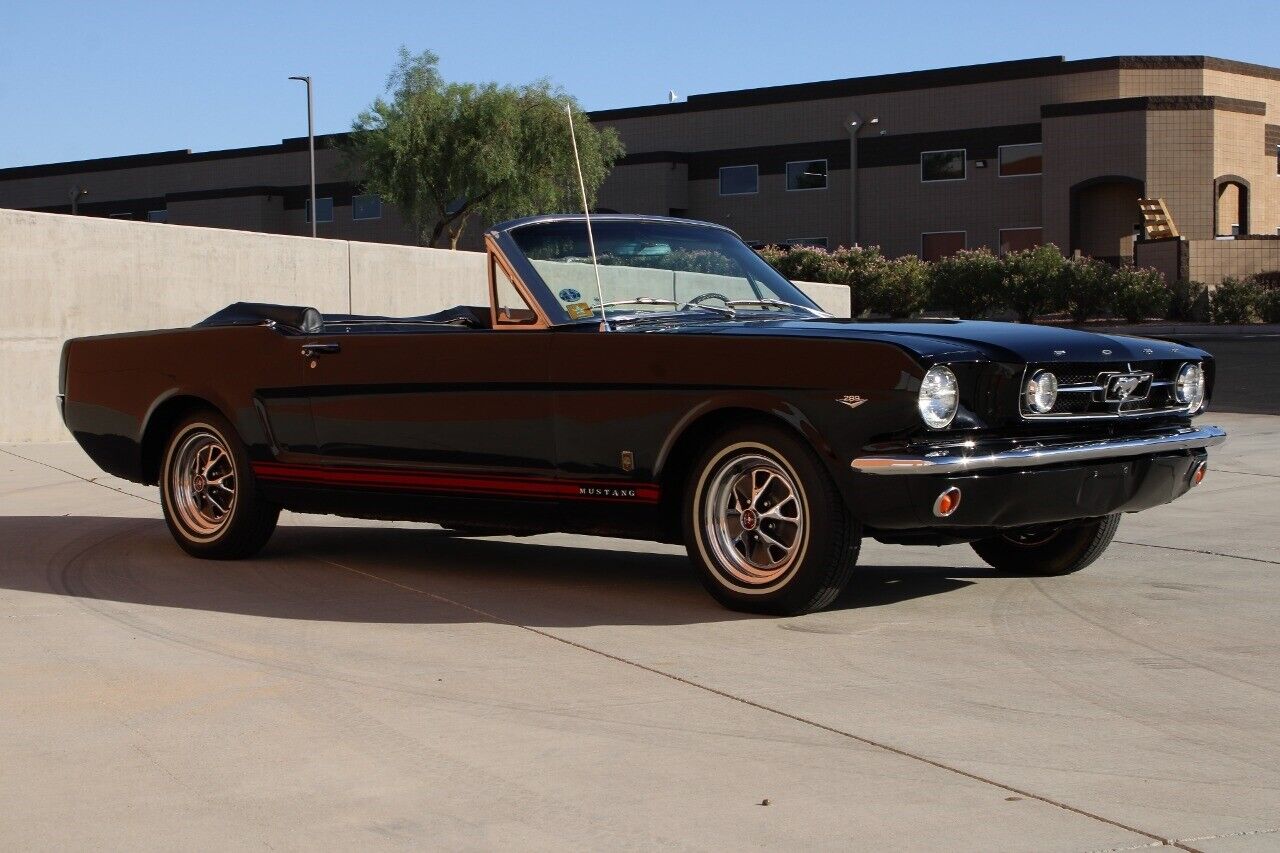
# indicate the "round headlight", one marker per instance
pixel 939 397
pixel 1189 389
pixel 1041 392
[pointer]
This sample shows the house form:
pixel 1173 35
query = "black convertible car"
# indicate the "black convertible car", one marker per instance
pixel 688 394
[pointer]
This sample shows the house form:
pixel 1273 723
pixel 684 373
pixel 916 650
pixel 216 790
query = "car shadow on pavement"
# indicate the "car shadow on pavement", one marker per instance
pixel 398 575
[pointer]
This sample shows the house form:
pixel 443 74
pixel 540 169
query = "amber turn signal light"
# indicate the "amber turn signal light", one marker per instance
pixel 1197 476
pixel 947 502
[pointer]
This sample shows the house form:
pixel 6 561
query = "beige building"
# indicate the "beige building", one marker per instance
pixel 1007 154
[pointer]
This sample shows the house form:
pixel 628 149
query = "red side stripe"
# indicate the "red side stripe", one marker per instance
pixel 462 484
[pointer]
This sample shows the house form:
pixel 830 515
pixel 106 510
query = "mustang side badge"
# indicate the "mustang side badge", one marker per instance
pixel 853 401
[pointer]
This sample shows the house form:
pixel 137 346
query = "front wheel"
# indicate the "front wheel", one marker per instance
pixel 766 526
pixel 1049 551
pixel 207 490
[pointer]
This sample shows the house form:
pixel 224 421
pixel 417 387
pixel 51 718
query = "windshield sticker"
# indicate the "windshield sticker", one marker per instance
pixel 577 310
pixel 570 295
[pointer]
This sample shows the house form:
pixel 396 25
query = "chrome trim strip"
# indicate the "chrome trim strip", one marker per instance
pixel 959 461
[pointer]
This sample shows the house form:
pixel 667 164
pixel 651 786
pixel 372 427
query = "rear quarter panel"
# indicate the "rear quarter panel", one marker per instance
pixel 115 383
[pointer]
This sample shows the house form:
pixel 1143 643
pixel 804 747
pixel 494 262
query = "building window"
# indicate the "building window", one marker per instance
pixel 324 209
pixel 811 242
pixel 1019 160
pixel 807 175
pixel 942 165
pixel 935 245
pixel 366 207
pixel 739 180
pixel 157 215
pixel 1018 239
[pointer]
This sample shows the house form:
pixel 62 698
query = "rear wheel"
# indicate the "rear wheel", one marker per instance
pixel 766 526
pixel 208 493
pixel 1049 551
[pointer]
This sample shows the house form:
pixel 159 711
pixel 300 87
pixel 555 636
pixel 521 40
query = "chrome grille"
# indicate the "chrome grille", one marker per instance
pixel 1083 389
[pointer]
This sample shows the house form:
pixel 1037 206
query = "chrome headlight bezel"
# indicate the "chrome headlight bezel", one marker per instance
pixel 939 397
pixel 1040 392
pixel 1189 386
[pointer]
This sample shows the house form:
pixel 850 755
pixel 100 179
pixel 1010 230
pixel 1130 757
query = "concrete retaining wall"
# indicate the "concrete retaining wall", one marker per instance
pixel 63 277
pixel 1210 261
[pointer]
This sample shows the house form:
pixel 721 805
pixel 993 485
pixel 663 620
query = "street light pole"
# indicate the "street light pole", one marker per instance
pixel 311 149
pixel 76 194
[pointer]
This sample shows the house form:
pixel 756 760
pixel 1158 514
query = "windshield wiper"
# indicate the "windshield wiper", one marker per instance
pixel 651 300
pixel 778 303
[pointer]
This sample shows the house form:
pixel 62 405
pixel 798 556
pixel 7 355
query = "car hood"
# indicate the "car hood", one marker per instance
pixel 936 339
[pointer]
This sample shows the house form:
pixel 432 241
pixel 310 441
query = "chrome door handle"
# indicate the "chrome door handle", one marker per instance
pixel 309 350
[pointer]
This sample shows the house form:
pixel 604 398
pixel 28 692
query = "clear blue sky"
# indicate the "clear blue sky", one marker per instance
pixel 98 79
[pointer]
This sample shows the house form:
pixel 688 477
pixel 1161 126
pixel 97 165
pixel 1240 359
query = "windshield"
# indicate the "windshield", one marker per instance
pixel 651 267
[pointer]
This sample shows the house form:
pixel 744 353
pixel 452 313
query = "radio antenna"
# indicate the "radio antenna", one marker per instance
pixel 586 213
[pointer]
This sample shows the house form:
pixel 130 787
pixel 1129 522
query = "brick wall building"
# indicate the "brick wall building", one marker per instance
pixel 1006 154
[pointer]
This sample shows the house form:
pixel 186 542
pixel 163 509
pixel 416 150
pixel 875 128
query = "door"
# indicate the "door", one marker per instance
pixel 469 401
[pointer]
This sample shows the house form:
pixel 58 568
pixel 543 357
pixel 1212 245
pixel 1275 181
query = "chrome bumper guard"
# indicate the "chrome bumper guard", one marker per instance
pixel 963 460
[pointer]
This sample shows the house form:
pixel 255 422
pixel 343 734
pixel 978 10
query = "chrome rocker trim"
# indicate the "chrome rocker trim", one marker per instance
pixel 962 460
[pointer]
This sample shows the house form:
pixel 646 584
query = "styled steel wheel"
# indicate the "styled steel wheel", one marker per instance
pixel 1046 551
pixel 211 502
pixel 754 518
pixel 765 524
pixel 203 483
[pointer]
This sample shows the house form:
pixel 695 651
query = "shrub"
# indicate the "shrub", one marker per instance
pixel 1269 305
pixel 1087 288
pixel 861 268
pixel 1236 300
pixel 1269 298
pixel 966 284
pixel 900 288
pixel 1030 285
pixel 1140 292
pixel 802 263
pixel 1189 300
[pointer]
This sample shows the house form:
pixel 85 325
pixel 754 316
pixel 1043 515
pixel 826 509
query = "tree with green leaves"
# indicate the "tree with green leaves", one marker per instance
pixel 447 153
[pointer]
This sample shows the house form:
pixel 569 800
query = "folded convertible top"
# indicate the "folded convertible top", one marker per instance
pixel 296 317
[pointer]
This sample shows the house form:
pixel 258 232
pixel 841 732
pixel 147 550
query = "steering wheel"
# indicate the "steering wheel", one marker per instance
pixel 700 298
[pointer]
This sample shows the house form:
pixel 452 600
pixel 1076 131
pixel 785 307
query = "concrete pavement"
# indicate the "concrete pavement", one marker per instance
pixel 386 686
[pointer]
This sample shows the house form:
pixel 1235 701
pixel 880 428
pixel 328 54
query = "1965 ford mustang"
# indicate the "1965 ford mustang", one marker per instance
pixel 693 395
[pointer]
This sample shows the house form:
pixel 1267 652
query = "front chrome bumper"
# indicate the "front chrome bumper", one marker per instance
pixel 969 459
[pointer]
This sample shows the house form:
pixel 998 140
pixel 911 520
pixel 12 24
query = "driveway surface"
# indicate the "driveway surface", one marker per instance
pixel 385 686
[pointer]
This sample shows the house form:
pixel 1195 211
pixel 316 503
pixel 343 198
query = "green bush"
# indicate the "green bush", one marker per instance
pixel 1140 293
pixel 1088 288
pixel 1237 300
pixel 802 263
pixel 1269 299
pixel 1189 300
pixel 966 284
pixel 899 288
pixel 1031 282
pixel 861 268
pixel 1269 306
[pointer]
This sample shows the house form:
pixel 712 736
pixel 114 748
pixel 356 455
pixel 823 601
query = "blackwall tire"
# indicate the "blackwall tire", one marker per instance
pixel 208 493
pixel 765 524
pixel 1048 553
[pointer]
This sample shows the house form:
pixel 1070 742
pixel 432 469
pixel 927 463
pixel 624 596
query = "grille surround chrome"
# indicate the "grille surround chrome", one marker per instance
pixel 1074 382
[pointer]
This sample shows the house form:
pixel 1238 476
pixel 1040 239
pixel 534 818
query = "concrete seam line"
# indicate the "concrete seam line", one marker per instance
pixel 1245 473
pixel 1161 840
pixel 91 482
pixel 1199 551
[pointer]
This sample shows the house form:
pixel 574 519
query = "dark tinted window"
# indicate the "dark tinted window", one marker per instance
pixel 739 180
pixel 942 165
pixel 807 175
